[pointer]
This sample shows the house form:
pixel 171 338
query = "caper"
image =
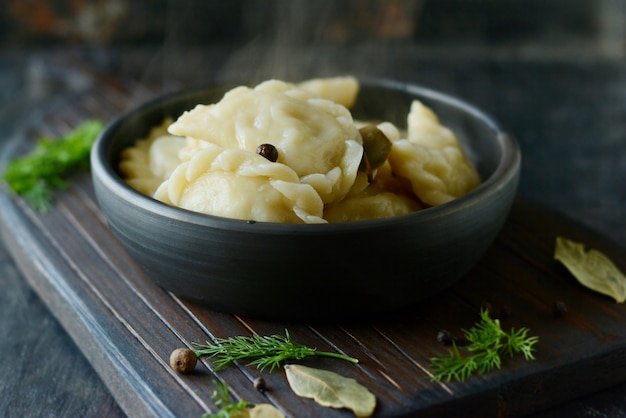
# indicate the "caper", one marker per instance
pixel 183 360
pixel 376 147
pixel 268 151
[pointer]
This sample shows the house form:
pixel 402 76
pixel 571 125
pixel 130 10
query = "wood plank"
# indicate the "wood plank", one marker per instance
pixel 127 327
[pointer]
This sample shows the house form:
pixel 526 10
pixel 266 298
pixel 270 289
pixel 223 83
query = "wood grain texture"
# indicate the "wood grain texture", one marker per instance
pixel 126 326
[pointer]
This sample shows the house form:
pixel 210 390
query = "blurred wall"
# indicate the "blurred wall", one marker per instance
pixel 594 25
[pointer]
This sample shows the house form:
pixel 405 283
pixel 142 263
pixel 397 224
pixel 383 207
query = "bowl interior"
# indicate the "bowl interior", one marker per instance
pixel 377 100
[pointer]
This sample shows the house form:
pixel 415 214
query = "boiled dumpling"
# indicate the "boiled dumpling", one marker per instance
pixel 385 196
pixel 146 165
pixel 315 137
pixel 372 203
pixel 341 90
pixel 163 155
pixel 206 161
pixel 432 159
pixel 239 184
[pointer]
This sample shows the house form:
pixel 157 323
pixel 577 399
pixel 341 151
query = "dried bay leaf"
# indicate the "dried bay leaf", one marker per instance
pixel 261 410
pixel 265 410
pixel 330 389
pixel 591 268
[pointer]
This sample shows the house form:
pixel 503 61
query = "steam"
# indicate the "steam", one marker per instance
pixel 291 46
pixel 291 40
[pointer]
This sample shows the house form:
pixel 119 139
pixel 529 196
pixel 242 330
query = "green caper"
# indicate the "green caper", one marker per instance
pixel 376 147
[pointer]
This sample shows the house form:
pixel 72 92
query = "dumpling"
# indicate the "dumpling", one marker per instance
pixel 206 161
pixel 315 137
pixel 238 184
pixel 163 155
pixel 152 159
pixel 341 90
pixel 386 196
pixel 432 159
pixel 373 202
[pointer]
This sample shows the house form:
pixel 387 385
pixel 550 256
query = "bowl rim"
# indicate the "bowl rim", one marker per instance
pixel 507 169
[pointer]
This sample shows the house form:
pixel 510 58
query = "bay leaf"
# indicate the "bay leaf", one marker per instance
pixel 261 410
pixel 330 389
pixel 591 268
pixel 265 410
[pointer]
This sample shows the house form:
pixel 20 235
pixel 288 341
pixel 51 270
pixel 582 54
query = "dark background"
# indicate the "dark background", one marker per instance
pixel 553 72
pixel 145 22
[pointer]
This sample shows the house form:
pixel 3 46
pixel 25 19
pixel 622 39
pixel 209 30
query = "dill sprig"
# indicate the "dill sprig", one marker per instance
pixel 487 343
pixel 35 175
pixel 267 351
pixel 221 398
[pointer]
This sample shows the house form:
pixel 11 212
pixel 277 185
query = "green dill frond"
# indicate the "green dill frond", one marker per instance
pixel 35 175
pixel 487 344
pixel 263 351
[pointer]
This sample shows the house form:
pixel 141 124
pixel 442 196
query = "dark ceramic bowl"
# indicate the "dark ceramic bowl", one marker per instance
pixel 321 271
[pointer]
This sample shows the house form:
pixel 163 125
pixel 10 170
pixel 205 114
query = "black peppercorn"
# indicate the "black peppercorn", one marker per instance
pixel 259 384
pixel 559 309
pixel 183 360
pixel 444 337
pixel 486 306
pixel 268 151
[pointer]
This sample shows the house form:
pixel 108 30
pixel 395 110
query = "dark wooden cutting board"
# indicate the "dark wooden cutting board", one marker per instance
pixel 127 327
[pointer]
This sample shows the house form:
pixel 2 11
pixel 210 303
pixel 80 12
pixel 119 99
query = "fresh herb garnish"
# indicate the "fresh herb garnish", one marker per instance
pixel 268 351
pixel 487 343
pixel 38 173
pixel 241 409
pixel 221 398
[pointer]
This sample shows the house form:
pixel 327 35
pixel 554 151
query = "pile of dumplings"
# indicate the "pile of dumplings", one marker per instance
pixel 214 158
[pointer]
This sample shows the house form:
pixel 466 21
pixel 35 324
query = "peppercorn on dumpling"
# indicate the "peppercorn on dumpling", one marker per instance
pixel 315 137
pixel 239 184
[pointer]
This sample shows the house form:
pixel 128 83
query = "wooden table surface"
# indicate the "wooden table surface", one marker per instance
pixel 52 377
